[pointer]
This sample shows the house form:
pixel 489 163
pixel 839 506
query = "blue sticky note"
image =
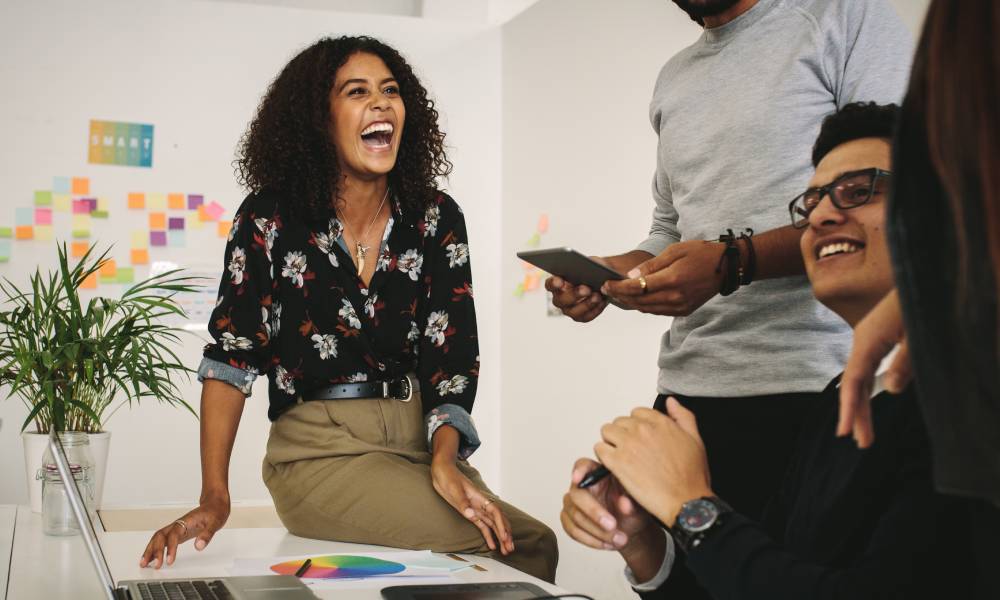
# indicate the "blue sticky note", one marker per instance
pixel 4 249
pixel 60 185
pixel 175 238
pixel 24 216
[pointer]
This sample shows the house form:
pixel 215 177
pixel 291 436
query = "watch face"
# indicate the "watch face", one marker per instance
pixel 697 515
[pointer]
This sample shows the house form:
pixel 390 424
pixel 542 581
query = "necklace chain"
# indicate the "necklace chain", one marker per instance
pixel 362 250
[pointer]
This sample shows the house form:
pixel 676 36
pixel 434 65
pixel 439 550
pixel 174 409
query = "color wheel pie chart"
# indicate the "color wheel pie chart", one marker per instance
pixel 340 566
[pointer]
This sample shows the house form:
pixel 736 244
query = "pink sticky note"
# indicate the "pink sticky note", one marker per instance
pixel 157 238
pixel 214 210
pixel 92 203
pixel 43 216
pixel 194 201
pixel 81 207
pixel 543 223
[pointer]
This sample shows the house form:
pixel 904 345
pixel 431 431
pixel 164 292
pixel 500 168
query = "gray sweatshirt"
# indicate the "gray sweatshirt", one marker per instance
pixel 736 114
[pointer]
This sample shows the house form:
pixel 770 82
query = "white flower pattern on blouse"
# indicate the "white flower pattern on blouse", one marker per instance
pixel 284 380
pixel 370 305
pixel 327 241
pixel 326 344
pixel 455 385
pixel 295 267
pixel 384 260
pixel 235 228
pixel 238 264
pixel 357 378
pixel 347 313
pixel 431 216
pixel 232 342
pixel 410 263
pixel 437 324
pixel 272 322
pixel 458 254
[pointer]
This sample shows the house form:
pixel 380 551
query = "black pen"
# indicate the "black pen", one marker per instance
pixel 593 477
pixel 305 567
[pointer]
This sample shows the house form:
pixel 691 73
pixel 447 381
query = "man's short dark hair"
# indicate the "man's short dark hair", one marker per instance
pixel 853 122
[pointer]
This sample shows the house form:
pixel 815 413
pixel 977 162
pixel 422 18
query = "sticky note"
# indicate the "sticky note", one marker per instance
pixel 194 220
pixel 140 239
pixel 543 224
pixel 6 232
pixel 519 290
pixel 108 268
pixel 224 227
pixel 92 203
pixel 157 238
pixel 24 216
pixel 157 221
pixel 43 233
pixel 126 275
pixel 81 226
pixel 62 202
pixel 215 210
pixel 81 207
pixel 176 238
pixel 203 213
pixel 80 186
pixel 4 250
pixel 90 283
pixel 175 201
pixel 60 185
pixel 24 232
pixel 194 201
pixel 102 204
pixel 156 202
pixel 136 200
pixel 176 223
pixel 43 198
pixel 140 256
pixel 78 249
pixel 43 216
pixel 99 214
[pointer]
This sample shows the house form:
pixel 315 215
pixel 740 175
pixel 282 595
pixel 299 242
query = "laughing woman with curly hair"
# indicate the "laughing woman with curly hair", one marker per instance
pixel 348 284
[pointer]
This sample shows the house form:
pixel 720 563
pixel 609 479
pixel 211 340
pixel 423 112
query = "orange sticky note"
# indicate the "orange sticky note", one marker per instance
pixel 108 268
pixel 140 256
pixel 176 202
pixel 157 221
pixel 203 213
pixel 24 232
pixel 81 186
pixel 90 283
pixel 137 200
pixel 224 227
pixel 78 249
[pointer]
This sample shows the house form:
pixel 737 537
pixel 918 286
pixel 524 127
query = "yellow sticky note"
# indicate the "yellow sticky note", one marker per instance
pixel 62 202
pixel 102 204
pixel 140 239
pixel 175 201
pixel 194 221
pixel 156 202
pixel 108 268
pixel 80 186
pixel 43 233
pixel 24 232
pixel 224 227
pixel 90 283
pixel 157 221
pixel 136 200
pixel 140 256
pixel 78 249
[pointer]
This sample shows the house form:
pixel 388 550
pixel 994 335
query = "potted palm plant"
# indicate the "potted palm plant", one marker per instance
pixel 73 364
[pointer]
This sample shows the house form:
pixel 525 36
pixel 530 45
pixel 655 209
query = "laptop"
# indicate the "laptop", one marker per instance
pixel 265 587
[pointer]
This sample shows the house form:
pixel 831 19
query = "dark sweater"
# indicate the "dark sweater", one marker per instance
pixel 846 523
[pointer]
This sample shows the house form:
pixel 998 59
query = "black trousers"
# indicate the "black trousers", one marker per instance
pixel 749 442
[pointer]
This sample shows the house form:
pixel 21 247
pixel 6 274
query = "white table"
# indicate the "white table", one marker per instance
pixel 8 515
pixel 50 568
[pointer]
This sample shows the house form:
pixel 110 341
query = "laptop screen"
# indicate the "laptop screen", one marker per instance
pixel 82 516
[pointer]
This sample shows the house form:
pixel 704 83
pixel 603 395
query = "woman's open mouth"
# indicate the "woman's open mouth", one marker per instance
pixel 377 136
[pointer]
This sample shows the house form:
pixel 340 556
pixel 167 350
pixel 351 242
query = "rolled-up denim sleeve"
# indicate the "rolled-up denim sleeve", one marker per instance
pixel 241 379
pixel 461 420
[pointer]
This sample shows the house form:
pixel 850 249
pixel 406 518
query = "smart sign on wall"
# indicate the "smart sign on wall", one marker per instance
pixel 115 143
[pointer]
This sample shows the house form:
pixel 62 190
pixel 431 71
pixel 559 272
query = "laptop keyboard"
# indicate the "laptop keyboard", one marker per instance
pixel 184 590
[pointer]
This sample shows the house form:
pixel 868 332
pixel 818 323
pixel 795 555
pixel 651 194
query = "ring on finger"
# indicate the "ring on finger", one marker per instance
pixel 487 503
pixel 642 284
pixel 182 524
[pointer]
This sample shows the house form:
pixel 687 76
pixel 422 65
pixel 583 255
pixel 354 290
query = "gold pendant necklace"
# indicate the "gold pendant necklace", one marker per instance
pixel 362 250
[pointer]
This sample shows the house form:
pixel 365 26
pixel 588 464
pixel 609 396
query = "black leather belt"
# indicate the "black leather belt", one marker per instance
pixel 397 389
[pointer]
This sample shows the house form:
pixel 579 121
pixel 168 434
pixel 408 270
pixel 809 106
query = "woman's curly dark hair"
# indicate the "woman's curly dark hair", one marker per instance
pixel 287 147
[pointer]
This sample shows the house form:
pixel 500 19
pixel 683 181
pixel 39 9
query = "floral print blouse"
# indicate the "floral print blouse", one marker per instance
pixel 291 306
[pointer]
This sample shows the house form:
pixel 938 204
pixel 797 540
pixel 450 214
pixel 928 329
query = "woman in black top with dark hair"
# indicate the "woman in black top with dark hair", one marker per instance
pixel 348 283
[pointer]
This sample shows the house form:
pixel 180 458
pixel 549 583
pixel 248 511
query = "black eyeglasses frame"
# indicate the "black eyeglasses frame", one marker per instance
pixel 827 190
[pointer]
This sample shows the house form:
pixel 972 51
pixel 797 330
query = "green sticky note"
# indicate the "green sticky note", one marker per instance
pixel 108 279
pixel 6 232
pixel 126 275
pixel 43 198
pixel 99 214
pixel 81 233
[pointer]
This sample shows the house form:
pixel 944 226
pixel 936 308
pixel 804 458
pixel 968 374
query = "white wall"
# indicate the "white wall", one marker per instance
pixel 577 78
pixel 196 70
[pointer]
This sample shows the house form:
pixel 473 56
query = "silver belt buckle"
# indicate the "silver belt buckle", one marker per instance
pixel 409 389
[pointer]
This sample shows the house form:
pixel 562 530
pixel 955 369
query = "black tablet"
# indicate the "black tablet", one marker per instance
pixel 571 266
pixel 500 590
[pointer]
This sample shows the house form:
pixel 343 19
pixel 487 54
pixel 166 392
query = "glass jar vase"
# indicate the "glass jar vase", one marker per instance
pixel 57 514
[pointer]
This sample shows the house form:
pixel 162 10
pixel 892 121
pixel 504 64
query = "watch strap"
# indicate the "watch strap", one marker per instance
pixel 687 539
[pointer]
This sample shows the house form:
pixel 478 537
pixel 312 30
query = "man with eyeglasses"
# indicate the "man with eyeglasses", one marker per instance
pixel 846 523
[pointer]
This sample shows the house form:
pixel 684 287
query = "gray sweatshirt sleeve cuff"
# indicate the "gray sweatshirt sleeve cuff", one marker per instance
pixel 655 244
pixel 460 419
pixel 661 576
pixel 241 379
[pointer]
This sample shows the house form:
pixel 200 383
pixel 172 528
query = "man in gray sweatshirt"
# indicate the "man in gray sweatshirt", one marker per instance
pixel 736 113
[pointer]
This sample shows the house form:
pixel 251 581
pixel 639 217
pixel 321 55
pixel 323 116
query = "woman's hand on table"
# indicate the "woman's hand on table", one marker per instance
pixel 200 524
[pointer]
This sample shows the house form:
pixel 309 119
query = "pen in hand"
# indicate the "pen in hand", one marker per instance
pixel 593 477
pixel 305 567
